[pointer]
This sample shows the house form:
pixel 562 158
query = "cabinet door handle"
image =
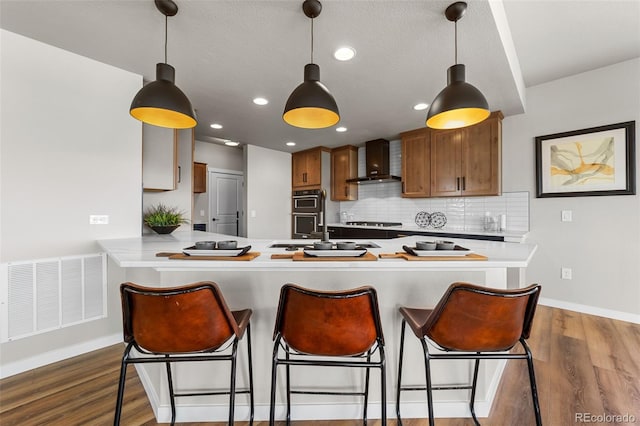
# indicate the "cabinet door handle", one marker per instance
pixel 458 184
pixel 304 177
pixel 403 187
pixel 464 183
pixel 346 191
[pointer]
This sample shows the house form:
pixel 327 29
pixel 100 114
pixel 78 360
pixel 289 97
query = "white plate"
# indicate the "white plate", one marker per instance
pixel 192 251
pixel 335 253
pixel 459 252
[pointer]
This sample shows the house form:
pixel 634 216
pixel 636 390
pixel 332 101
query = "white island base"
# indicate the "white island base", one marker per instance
pixel 256 284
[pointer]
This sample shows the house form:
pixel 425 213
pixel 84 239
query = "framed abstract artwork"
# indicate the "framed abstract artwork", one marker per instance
pixel 595 161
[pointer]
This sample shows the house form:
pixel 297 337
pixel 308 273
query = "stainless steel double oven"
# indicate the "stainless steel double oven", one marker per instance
pixel 307 213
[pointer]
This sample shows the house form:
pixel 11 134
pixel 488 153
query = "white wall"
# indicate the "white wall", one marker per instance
pixel 602 244
pixel 268 184
pixel 219 156
pixel 68 149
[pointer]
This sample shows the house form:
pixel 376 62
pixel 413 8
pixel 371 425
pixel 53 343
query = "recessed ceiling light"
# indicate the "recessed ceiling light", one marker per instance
pixel 344 53
pixel 232 143
pixel 290 144
pixel 260 101
pixel 420 106
pixel 216 126
pixel 341 129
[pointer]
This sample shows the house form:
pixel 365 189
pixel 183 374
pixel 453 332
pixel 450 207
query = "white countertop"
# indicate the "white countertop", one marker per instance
pixel 141 252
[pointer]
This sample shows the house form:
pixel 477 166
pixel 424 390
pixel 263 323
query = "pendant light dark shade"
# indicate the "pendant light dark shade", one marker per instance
pixel 310 105
pixel 459 104
pixel 161 103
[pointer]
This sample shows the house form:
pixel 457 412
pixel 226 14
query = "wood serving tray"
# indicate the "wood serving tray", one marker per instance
pixel 407 256
pixel 300 256
pixel 245 257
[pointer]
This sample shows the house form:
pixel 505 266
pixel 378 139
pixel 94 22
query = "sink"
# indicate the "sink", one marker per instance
pixel 295 246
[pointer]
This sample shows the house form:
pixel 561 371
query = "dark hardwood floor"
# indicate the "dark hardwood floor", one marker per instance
pixel 585 366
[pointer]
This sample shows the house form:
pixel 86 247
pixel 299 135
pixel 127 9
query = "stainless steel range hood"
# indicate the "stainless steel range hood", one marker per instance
pixel 377 163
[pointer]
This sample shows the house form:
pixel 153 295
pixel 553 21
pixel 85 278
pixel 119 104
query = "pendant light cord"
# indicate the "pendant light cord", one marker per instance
pixel 456 42
pixel 311 40
pixel 166 31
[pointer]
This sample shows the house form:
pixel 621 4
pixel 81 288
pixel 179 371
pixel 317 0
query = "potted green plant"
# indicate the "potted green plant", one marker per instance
pixel 163 219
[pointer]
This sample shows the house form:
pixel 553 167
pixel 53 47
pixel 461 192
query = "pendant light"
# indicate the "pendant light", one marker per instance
pixel 310 105
pixel 459 104
pixel 161 103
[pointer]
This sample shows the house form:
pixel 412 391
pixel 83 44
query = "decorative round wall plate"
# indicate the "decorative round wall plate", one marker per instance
pixel 438 220
pixel 423 219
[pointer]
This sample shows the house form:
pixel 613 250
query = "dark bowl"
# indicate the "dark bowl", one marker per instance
pixel 426 245
pixel 346 245
pixel 445 245
pixel 227 245
pixel 323 245
pixel 205 245
pixel 164 229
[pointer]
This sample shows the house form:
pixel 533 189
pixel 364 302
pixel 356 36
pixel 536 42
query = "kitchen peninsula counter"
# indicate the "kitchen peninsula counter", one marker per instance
pixel 256 284
pixel 141 253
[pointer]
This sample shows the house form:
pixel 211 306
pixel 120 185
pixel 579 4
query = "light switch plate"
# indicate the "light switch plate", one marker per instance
pixel 98 219
pixel 567 215
pixel 566 273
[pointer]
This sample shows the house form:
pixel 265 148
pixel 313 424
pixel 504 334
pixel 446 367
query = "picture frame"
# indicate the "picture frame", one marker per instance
pixel 587 162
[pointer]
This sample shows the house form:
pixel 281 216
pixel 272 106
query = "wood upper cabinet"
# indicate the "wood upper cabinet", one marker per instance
pixel 159 158
pixel 199 177
pixel 306 169
pixel 416 163
pixel 467 161
pixel 344 165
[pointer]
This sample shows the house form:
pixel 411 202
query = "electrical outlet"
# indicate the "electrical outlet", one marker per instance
pixel 566 273
pixel 567 215
pixel 98 219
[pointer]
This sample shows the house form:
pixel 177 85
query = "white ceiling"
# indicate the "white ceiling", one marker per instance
pixel 226 52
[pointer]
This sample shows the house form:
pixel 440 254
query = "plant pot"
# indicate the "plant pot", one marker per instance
pixel 164 229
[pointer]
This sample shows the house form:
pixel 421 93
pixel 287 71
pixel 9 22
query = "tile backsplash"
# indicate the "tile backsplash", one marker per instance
pixel 383 202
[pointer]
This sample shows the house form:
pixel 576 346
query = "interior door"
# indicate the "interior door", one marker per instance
pixel 225 200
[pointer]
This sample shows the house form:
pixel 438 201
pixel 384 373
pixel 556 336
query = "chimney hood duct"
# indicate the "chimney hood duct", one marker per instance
pixel 377 163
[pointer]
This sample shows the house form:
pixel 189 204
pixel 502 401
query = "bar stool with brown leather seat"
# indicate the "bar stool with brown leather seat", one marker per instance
pixel 472 322
pixel 189 323
pixel 328 329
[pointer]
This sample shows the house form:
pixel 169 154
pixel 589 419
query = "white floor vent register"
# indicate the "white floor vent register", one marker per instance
pixel 47 294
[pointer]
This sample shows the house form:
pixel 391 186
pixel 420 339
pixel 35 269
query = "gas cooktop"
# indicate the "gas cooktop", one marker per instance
pixel 378 224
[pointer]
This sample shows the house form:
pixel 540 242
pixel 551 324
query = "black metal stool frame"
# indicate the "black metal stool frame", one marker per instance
pixel 295 358
pixel 533 290
pixel 216 355
pixel 475 356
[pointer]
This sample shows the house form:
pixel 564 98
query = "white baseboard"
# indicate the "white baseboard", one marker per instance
pixel 39 360
pixel 591 310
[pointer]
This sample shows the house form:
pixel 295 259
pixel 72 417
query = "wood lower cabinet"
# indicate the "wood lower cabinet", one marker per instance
pixel 306 169
pixel 467 162
pixel 344 165
pixel 416 163
pixel 199 178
